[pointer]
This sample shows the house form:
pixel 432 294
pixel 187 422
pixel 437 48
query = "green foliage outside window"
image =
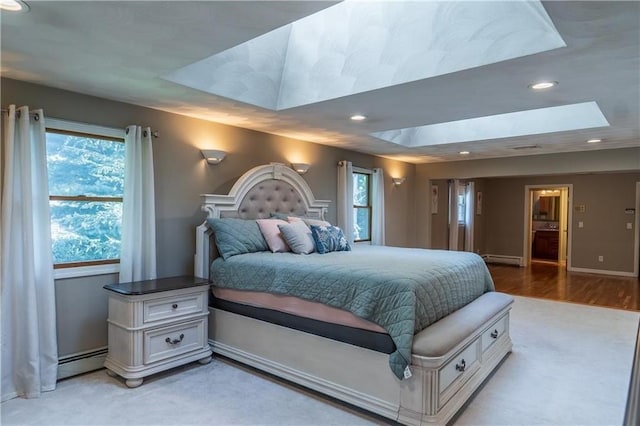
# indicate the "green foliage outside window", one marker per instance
pixel 361 207
pixel 86 186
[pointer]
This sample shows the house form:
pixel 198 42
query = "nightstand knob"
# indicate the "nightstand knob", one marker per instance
pixel 174 306
pixel 462 366
pixel 494 334
pixel 174 341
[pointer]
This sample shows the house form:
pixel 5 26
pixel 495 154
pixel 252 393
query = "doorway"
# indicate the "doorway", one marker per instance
pixel 547 224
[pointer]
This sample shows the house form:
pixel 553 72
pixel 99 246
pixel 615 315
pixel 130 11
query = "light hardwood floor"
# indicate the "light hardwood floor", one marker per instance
pixel 550 281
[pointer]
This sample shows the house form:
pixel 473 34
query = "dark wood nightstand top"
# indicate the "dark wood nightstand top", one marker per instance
pixel 155 286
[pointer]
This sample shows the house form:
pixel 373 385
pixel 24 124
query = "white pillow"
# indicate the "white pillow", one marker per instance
pixel 272 235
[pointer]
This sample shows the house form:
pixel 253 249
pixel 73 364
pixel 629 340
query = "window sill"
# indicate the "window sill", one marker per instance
pixel 86 271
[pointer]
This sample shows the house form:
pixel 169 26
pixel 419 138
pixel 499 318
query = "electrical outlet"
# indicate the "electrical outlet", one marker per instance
pixel 581 224
pixel 629 225
pixel 600 258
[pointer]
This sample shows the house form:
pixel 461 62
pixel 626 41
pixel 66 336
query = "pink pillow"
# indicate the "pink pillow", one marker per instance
pixel 272 235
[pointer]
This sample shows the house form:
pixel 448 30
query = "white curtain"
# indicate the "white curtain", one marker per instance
pixel 29 342
pixel 138 251
pixel 469 226
pixel 377 207
pixel 454 186
pixel 345 199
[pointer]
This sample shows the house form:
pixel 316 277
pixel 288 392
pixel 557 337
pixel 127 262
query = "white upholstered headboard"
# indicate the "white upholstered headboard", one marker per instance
pixel 272 188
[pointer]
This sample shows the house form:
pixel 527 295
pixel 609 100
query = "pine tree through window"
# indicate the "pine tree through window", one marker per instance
pixel 361 207
pixel 86 186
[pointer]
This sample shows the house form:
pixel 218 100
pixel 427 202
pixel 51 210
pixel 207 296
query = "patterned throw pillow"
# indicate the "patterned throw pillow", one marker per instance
pixel 329 238
pixel 237 236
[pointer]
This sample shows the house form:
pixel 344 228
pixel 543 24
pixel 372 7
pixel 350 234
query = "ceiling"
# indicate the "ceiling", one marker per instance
pixel 122 51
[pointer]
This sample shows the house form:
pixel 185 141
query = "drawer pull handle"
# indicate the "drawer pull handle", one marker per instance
pixel 174 341
pixel 494 334
pixel 174 306
pixel 462 366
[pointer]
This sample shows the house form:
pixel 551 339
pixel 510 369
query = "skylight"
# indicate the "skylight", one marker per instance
pixel 532 122
pixel 354 47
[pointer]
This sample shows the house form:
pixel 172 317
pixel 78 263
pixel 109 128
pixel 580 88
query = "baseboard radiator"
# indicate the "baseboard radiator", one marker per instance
pixel 81 362
pixel 505 260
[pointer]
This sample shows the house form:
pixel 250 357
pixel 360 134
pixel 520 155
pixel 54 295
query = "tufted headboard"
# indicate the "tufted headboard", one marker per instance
pixel 269 196
pixel 272 188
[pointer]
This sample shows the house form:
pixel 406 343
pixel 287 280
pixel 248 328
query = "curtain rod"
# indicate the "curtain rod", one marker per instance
pixel 154 133
pixel 7 111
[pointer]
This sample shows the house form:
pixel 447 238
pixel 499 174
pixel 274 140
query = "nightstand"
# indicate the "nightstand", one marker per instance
pixel 155 325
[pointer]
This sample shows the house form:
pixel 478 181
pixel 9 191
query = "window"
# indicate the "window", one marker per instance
pixel 86 185
pixel 462 205
pixel 361 206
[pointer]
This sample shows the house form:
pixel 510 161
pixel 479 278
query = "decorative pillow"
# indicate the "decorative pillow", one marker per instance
pixel 314 222
pixel 237 236
pixel 329 238
pixel 271 233
pixel 298 237
pixel 283 216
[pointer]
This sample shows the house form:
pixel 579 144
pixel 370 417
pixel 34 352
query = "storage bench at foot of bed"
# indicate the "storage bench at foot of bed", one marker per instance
pixel 451 359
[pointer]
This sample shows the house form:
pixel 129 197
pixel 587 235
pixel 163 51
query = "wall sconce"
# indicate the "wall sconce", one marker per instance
pixel 301 168
pixel 213 156
pixel 398 181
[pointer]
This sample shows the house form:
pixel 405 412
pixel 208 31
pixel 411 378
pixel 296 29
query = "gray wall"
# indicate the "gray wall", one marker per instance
pixel 440 220
pixel 181 174
pixel 605 160
pixel 605 196
pixel 500 228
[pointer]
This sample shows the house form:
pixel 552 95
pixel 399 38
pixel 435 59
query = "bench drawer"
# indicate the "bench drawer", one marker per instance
pixel 491 335
pixel 462 365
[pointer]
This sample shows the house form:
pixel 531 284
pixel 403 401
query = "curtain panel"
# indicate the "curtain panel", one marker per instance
pixel 377 207
pixel 138 250
pixel 29 342
pixel 345 199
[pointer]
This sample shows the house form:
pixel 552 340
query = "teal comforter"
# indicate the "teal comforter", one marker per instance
pixel 403 290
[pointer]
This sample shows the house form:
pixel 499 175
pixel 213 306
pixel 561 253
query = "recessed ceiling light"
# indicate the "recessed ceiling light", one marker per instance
pixel 464 153
pixel 358 117
pixel 594 140
pixel 543 85
pixel 14 5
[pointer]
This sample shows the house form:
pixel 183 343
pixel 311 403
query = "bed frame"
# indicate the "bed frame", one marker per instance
pixel 451 358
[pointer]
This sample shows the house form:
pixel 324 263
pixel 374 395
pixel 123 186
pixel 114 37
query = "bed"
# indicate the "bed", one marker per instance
pixel 419 369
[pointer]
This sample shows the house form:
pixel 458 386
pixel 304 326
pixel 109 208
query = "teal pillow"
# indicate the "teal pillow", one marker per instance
pixel 329 238
pixel 298 237
pixel 237 236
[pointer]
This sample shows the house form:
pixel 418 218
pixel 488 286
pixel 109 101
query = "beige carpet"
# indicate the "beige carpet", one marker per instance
pixel 570 365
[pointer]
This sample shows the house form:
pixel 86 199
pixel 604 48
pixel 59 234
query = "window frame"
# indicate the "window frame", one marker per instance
pixel 461 200
pixel 369 206
pixel 92 267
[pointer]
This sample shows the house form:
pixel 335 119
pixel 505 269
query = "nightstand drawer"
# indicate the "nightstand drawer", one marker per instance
pixel 173 307
pixel 168 342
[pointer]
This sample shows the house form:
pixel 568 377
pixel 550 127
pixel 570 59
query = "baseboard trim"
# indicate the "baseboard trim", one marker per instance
pixel 602 272
pixel 81 362
pixel 502 259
